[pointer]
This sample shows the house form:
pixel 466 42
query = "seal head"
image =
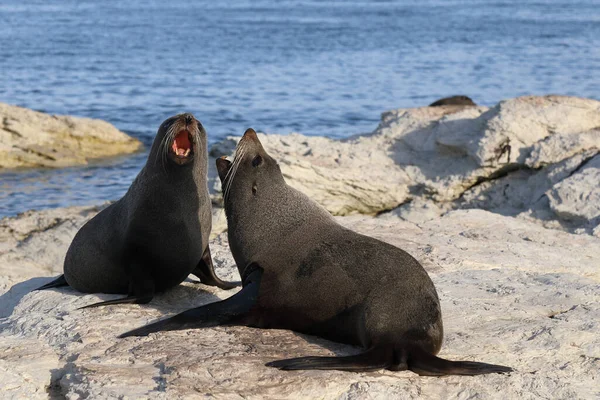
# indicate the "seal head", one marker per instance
pixel 178 140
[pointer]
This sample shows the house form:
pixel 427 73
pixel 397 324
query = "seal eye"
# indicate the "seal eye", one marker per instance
pixel 257 161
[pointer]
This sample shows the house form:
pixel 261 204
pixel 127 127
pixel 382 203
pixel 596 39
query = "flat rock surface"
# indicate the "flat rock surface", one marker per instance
pixel 34 139
pixel 512 292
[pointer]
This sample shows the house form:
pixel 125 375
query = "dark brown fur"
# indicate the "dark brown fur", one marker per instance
pixel 157 234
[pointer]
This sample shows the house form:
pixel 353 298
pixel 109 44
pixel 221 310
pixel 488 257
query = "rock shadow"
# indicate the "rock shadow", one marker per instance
pixel 10 299
pixel 174 300
pixel 177 299
pixel 439 150
pixel 337 348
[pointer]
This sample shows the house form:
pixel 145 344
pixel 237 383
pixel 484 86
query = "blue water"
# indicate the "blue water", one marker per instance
pixel 319 68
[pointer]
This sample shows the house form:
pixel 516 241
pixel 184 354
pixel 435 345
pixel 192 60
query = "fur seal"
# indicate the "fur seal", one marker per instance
pixel 303 271
pixel 453 101
pixel 157 234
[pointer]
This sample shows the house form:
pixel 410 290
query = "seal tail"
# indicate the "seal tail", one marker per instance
pixel 424 363
pixel 58 282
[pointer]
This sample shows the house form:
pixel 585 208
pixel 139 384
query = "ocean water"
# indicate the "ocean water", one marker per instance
pixel 315 67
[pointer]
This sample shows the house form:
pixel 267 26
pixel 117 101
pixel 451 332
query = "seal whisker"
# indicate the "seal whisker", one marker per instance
pixel 169 137
pixel 229 176
pixel 236 163
pixel 238 152
pixel 229 180
pixel 228 184
pixel 163 149
pixel 197 138
pixel 159 154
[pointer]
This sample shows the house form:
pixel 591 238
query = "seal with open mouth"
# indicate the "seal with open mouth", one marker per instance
pixel 303 271
pixel 157 234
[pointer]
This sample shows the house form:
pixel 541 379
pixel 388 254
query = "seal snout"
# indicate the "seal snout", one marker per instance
pixel 250 139
pixel 250 134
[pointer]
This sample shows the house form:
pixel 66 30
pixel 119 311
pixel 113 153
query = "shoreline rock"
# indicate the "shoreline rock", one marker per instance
pixel 512 292
pixel 30 139
pixel 533 157
pixel 469 191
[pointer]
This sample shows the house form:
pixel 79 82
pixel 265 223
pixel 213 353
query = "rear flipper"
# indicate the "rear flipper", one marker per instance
pixel 424 363
pixel 58 282
pixel 206 272
pixel 210 314
pixel 371 360
pixel 417 361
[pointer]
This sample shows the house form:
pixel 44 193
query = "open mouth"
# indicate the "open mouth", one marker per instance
pixel 181 147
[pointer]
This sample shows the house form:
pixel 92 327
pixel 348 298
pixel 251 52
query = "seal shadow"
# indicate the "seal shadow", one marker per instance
pixel 177 299
pixel 174 300
pixel 10 299
pixel 337 348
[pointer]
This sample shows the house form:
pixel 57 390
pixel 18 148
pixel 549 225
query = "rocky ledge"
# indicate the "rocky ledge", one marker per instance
pixel 475 194
pixel 33 139
pixel 535 158
pixel 512 292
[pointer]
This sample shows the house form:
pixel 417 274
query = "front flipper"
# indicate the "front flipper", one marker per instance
pixel 126 300
pixel 212 314
pixel 58 282
pixel 141 289
pixel 371 360
pixel 206 272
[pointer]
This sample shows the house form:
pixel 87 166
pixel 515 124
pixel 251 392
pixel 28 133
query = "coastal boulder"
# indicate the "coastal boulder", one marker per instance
pixel 34 139
pixel 511 158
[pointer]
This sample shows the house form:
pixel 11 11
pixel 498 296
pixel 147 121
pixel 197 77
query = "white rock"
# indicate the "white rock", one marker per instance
pixel 512 292
pixel 337 174
pixel 578 196
pixel 525 121
pixel 450 155
pixel 510 158
pixel 534 194
pixel 33 139
pixel 559 147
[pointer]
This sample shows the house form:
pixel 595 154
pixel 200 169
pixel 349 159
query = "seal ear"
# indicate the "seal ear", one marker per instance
pixel 223 165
